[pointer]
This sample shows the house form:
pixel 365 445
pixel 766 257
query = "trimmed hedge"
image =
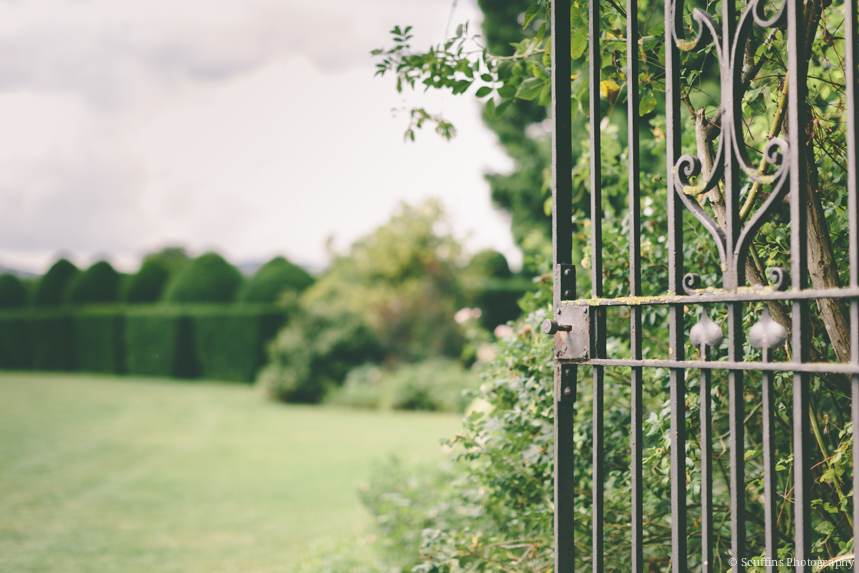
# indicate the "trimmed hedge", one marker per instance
pixel 499 300
pixel 214 342
pixel 50 337
pixel 99 340
pixel 52 287
pixel 98 284
pixel 14 348
pixel 272 279
pixel 13 293
pixel 209 278
pixel 160 342
pixel 148 284
pixel 231 342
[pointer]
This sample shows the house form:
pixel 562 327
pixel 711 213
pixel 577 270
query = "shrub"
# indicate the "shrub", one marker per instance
pixel 230 341
pixel 160 342
pixel 361 389
pixel 148 284
pixel 402 280
pixel 498 300
pixel 314 353
pixel 13 293
pixel 493 508
pixel 98 284
pixel 490 286
pixel 272 279
pixel 52 287
pixel 489 263
pixel 209 278
pixel 436 384
pixel 99 340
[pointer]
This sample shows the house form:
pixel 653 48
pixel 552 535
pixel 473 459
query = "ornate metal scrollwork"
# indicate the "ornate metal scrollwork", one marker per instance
pixel 732 147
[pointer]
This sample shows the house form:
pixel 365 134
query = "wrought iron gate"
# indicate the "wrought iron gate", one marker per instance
pixel 579 325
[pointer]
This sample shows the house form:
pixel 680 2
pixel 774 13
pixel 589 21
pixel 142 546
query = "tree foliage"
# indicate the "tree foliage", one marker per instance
pixel 402 279
pixel 390 298
pixel 314 353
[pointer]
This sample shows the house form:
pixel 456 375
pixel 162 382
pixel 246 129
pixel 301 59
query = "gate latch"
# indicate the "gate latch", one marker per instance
pixel 571 326
pixel 572 333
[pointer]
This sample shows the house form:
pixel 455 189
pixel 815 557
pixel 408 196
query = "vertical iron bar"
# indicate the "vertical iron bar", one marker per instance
pixel 594 64
pixel 706 466
pixel 733 278
pixel 597 315
pixel 796 77
pixel 737 438
pixel 562 154
pixel 673 21
pixel 770 518
pixel 636 406
pixel 565 394
pixel 598 471
pixel 562 241
pixel 851 53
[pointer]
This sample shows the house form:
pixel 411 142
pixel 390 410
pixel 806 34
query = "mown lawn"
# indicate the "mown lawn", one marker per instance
pixel 122 474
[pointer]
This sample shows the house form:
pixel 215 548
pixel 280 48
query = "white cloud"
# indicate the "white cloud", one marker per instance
pixel 254 127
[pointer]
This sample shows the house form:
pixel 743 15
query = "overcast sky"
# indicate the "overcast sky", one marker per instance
pixel 251 127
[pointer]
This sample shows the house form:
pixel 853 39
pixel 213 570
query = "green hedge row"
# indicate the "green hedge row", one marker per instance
pixel 188 341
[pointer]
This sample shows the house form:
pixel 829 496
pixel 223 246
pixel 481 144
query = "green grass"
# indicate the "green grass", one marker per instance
pixel 123 474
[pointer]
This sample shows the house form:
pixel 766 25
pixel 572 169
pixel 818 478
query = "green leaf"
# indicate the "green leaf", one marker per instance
pixel 460 86
pixel 487 78
pixel 507 91
pixel 490 108
pixel 530 88
pixel 545 94
pixel 824 527
pixel 658 30
pixel 578 18
pixel 647 103
pixel 583 94
pixel 541 33
pixel 484 91
pixel 648 43
pixel 578 44
pixel 502 107
pixel 530 14
pixel 547 54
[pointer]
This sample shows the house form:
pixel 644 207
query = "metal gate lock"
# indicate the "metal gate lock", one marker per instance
pixel 572 333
